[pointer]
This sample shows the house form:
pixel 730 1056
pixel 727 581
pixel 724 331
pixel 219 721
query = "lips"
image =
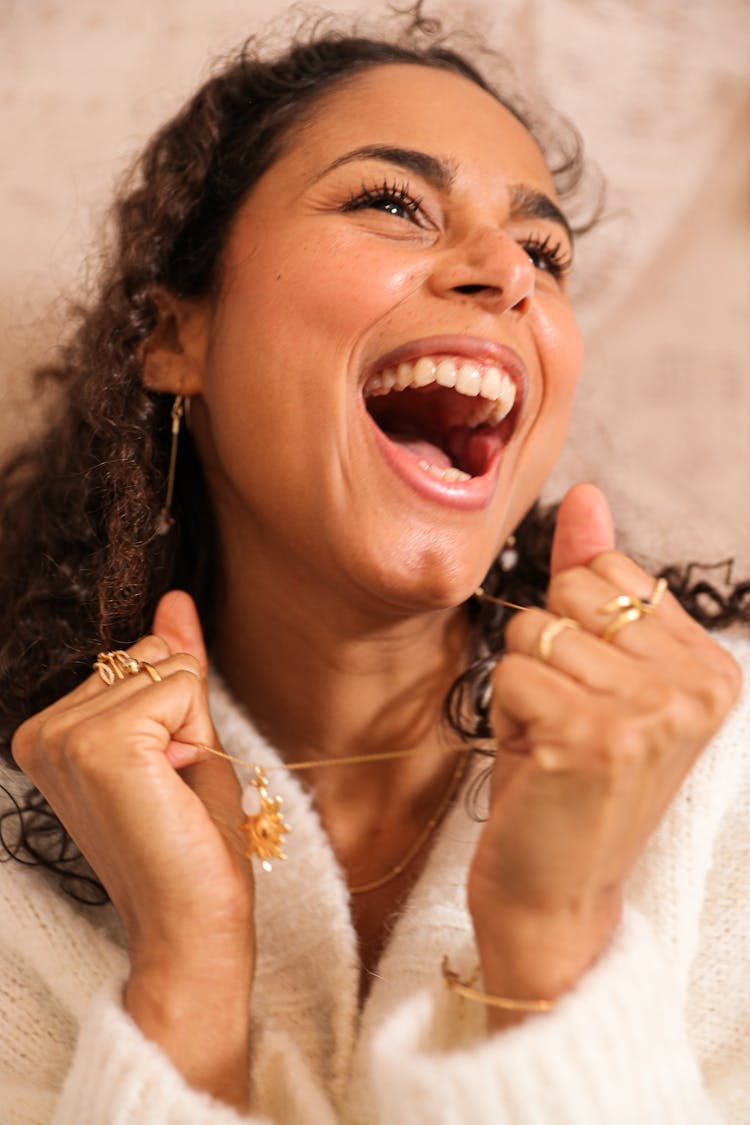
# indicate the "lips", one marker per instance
pixel 444 408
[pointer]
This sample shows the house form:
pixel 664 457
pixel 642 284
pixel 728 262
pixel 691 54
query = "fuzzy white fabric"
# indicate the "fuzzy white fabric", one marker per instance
pixel 657 1032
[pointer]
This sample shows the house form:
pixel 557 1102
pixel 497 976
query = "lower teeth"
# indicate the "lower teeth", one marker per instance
pixel 450 474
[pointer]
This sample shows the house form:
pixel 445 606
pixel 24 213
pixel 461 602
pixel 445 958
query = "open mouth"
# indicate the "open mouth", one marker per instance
pixel 452 415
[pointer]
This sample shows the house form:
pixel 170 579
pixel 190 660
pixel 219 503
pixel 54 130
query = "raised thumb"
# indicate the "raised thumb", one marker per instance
pixel 176 620
pixel 584 528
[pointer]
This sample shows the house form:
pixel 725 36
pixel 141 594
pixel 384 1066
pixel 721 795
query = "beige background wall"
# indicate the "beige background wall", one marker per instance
pixel 660 90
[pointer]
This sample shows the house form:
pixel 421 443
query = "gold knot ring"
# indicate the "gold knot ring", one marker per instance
pixel 116 665
pixel 549 632
pixel 632 609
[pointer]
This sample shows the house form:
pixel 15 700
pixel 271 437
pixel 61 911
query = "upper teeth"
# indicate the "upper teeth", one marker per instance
pixel 475 380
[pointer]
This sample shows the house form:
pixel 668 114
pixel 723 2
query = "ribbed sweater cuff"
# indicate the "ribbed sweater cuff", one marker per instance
pixel 614 1051
pixel 118 1077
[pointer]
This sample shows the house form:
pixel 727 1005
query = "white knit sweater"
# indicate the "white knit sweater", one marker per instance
pixel 658 1032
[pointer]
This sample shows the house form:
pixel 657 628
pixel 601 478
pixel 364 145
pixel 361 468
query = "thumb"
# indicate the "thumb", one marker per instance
pixel 176 620
pixel 584 528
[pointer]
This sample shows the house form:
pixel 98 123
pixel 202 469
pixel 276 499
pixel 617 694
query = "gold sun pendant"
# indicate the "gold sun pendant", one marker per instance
pixel 264 826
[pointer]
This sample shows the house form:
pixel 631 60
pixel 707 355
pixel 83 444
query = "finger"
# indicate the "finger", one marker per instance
pixel 122 690
pixel 177 621
pixel 586 594
pixel 551 708
pixel 601 667
pixel 127 725
pixel 152 649
pixel 583 530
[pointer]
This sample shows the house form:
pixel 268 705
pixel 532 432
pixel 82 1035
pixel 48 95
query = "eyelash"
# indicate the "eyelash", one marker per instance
pixel 556 262
pixel 396 194
pixel 554 259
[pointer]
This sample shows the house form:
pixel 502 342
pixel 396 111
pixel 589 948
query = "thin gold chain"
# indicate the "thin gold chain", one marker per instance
pixel 354 759
pixel 457 777
pixel 454 785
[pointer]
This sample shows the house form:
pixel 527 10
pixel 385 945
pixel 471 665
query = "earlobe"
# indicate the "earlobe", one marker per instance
pixel 172 356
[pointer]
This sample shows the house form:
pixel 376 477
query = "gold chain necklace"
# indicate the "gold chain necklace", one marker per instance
pixel 462 764
pixel 264 826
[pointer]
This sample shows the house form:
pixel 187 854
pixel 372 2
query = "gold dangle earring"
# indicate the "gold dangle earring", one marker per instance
pixel 180 407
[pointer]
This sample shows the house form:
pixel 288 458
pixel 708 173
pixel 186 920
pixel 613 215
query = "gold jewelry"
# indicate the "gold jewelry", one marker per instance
pixel 657 594
pixel 508 557
pixel 116 665
pixel 549 632
pixel 166 519
pixel 454 785
pixel 633 609
pixel 263 831
pixel 264 826
pixel 453 984
pixel 482 594
pixel 150 671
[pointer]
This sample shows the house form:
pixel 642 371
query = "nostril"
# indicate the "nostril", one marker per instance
pixel 471 289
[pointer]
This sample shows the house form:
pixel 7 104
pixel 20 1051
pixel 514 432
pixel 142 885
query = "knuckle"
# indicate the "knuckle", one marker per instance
pixel 565 588
pixel 83 744
pixel 506 670
pixel 186 662
pixel 22 742
pixel 523 629
pixel 719 692
pixel 731 676
pixel 614 566
pixel 187 680
pixel 153 648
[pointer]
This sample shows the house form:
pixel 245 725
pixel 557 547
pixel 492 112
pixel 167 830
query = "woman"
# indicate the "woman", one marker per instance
pixel 365 303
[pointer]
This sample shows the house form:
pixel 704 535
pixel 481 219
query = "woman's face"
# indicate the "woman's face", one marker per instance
pixel 406 240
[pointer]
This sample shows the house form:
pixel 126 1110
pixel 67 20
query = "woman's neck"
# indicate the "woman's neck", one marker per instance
pixel 321 682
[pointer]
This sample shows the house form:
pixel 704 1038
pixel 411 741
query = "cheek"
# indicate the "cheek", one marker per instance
pixel 559 350
pixel 336 289
pixel 560 347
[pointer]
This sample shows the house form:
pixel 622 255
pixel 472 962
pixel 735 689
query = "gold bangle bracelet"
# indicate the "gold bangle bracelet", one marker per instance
pixel 453 983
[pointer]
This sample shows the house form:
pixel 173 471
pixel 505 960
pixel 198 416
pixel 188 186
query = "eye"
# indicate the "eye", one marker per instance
pixel 548 256
pixel 391 198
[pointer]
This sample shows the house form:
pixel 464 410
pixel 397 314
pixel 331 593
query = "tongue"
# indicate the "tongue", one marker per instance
pixel 472 450
pixel 422 450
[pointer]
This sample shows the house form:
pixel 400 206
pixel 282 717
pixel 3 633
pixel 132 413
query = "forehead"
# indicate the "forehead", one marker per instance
pixel 438 111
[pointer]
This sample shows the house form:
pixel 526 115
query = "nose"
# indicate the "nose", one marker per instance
pixel 489 268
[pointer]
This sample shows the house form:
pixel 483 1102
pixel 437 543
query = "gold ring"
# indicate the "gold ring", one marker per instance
pixel 150 671
pixel 658 593
pixel 113 666
pixel 548 634
pixel 633 613
pixel 633 609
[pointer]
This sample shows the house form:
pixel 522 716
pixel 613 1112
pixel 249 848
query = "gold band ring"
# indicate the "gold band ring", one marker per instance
pixel 633 609
pixel 549 632
pixel 658 593
pixel 113 666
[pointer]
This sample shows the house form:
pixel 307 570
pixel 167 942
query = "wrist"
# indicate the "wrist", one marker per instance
pixel 527 955
pixel 199 1015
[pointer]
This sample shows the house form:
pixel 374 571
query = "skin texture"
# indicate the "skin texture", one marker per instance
pixel 339 621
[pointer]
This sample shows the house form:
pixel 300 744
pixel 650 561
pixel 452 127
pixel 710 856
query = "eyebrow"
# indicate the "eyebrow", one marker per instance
pixel 438 173
pixel 525 202
pixel 528 203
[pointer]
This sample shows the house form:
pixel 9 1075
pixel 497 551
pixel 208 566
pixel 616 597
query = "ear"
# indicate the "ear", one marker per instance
pixel 173 356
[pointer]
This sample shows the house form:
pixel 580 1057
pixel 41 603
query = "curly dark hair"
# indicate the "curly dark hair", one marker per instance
pixel 82 563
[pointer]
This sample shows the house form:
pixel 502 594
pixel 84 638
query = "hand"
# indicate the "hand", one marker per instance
pixel 164 843
pixel 593 746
